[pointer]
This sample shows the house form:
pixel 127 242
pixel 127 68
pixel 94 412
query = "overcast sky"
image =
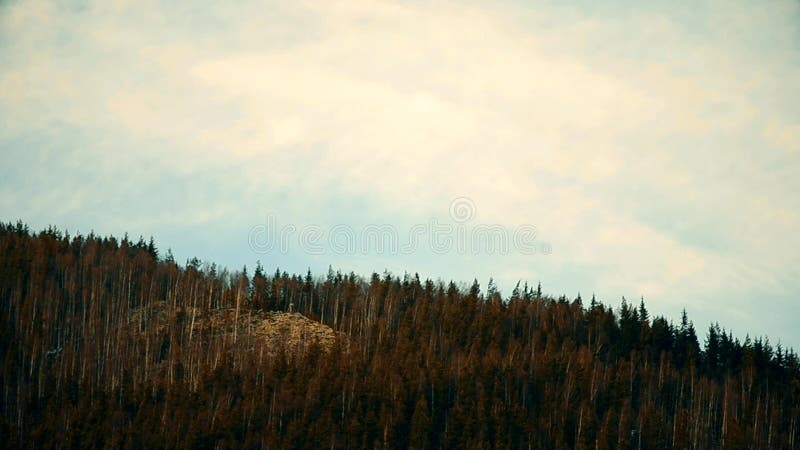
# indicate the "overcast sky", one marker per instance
pixel 655 149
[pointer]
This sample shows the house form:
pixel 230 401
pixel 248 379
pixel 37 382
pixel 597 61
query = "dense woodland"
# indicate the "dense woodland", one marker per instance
pixel 416 364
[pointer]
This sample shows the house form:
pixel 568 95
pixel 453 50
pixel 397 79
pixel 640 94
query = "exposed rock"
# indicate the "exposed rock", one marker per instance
pixel 280 330
pixel 294 330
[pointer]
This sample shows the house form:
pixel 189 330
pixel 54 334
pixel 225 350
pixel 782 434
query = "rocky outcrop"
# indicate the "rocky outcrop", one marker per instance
pixel 292 332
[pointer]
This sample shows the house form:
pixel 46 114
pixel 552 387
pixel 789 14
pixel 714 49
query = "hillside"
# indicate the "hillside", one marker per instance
pixel 105 342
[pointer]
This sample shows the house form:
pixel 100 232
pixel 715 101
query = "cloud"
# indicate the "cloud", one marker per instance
pixel 653 148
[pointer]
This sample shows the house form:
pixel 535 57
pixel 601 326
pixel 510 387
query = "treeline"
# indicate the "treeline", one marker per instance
pixel 99 349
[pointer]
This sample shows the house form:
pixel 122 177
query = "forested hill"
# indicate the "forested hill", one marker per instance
pixel 105 342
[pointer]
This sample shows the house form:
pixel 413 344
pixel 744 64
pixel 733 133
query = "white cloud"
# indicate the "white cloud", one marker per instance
pixel 601 130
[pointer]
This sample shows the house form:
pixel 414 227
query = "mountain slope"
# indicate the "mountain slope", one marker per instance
pixel 105 343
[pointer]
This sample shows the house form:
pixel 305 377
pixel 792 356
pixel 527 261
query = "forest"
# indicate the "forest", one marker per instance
pixel 110 343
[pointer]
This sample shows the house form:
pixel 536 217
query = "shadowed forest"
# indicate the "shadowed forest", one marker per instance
pixel 107 342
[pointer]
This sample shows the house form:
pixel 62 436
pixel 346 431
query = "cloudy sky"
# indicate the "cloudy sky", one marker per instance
pixel 654 149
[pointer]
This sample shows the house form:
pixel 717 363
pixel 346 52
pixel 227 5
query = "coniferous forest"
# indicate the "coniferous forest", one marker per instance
pixel 109 342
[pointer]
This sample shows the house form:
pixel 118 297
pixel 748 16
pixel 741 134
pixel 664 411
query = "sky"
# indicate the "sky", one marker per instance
pixel 616 148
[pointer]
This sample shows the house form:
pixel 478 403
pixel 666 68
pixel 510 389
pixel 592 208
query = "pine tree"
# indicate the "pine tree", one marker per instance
pixel 644 316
